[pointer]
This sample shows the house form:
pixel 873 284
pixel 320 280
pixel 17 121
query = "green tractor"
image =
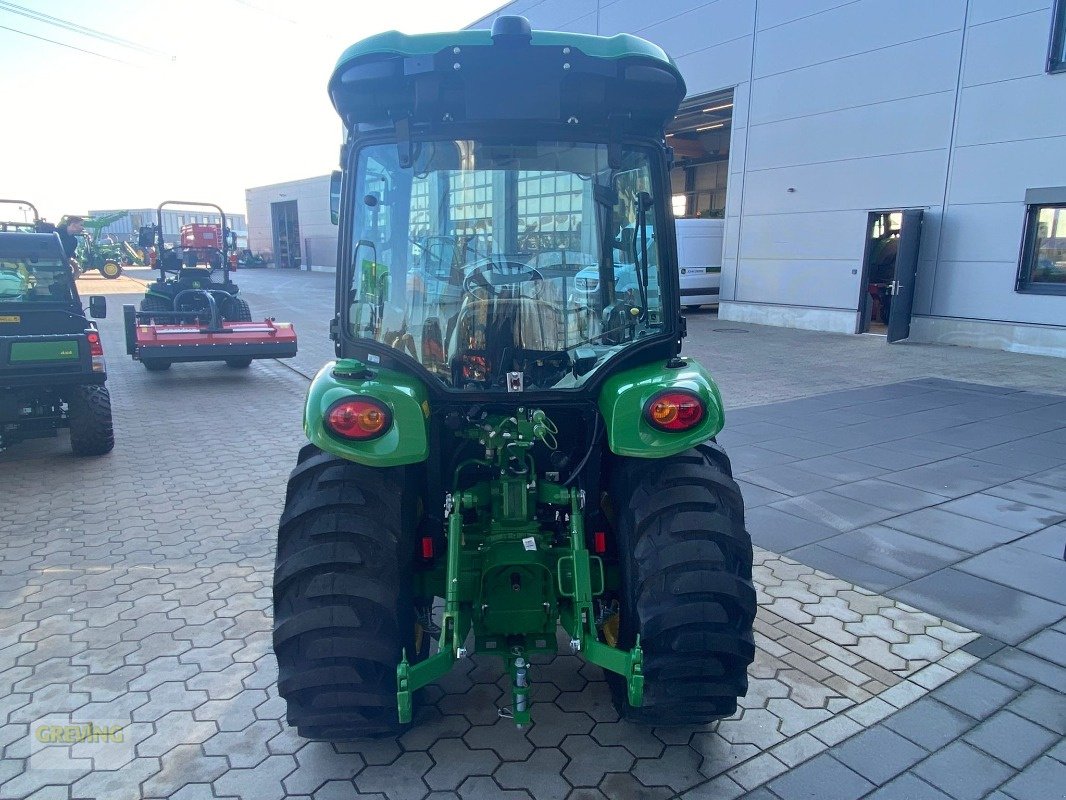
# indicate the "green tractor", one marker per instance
pixel 96 252
pixel 502 448
pixel 103 256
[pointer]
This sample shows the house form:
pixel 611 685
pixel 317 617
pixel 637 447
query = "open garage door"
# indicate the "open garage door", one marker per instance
pixel 285 221
pixel 699 136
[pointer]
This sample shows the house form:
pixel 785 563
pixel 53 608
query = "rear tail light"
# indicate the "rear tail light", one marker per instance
pixel 358 418
pixel 674 410
pixel 96 347
pixel 427 547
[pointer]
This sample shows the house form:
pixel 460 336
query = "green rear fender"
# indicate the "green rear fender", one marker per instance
pixel 407 399
pixel 624 396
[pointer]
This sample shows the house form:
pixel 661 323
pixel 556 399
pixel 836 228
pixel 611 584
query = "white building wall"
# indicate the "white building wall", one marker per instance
pixel 841 108
pixel 1010 136
pixel 318 235
pixel 851 110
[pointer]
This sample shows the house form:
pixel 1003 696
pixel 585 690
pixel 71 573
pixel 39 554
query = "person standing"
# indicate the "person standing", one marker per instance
pixel 69 230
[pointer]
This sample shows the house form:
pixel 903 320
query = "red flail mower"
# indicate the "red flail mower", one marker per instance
pixel 191 312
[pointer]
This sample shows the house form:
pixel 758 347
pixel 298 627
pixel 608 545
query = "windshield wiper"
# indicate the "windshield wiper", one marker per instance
pixel 644 202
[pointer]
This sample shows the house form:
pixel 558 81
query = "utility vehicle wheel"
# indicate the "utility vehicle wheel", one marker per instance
pixel 153 303
pixel 156 364
pixel 343 604
pixel 239 363
pixel 89 416
pixel 111 270
pixel 237 311
pixel 686 585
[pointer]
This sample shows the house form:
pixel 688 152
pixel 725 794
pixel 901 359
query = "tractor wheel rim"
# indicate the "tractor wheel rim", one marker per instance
pixel 111 269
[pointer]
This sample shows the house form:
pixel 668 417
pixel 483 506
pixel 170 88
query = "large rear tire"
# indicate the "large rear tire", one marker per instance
pixel 89 416
pixel 686 585
pixel 343 603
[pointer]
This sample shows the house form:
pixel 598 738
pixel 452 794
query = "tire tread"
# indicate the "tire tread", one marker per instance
pixel 342 600
pixel 687 578
pixel 92 431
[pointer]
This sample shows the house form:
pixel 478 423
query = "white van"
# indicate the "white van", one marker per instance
pixel 699 260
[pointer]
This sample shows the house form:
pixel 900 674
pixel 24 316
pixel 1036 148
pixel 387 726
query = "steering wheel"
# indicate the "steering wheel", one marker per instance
pixel 482 277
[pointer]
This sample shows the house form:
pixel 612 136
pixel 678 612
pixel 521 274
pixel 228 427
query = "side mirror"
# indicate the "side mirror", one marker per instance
pixel 335 197
pixel 146 236
pixel 97 306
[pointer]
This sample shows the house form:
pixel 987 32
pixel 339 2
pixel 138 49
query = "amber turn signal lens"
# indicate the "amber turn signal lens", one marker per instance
pixel 674 410
pixel 358 418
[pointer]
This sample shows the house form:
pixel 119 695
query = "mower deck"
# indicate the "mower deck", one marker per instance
pixel 185 337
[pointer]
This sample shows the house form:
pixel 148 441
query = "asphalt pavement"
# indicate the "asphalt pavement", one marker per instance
pixel 907 505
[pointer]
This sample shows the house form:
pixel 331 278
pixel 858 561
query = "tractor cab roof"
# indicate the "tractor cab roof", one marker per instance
pixel 33 247
pixel 508 74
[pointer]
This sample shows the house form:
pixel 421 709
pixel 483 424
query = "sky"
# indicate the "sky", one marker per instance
pixel 180 99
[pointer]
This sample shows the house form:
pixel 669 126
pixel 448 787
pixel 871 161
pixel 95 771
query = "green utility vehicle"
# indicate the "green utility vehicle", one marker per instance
pixel 496 453
pixel 52 369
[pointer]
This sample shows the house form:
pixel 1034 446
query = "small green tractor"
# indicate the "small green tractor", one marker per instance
pixel 502 448
pixel 95 252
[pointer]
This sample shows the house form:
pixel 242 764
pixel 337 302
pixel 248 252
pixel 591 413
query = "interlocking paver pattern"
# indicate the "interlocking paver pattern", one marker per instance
pixel 136 588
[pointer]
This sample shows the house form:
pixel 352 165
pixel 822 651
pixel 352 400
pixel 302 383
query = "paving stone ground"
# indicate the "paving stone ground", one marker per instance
pixel 910 572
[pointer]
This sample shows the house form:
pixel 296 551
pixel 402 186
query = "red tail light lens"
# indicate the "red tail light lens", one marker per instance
pixel 599 542
pixel 674 410
pixel 358 418
pixel 96 347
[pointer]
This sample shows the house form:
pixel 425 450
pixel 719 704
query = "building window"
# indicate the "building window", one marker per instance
pixel 1056 59
pixel 470 208
pixel 549 211
pixel 1043 261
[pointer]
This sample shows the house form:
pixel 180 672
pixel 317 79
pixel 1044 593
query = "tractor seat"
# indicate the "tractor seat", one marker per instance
pixel 204 274
pixel 525 322
pixel 170 261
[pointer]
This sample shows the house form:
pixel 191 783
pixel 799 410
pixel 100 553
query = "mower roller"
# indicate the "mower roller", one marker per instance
pixel 501 450
pixel 191 312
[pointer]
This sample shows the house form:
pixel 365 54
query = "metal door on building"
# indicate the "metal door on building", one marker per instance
pixel 906 272
pixel 286 226
pixel 890 267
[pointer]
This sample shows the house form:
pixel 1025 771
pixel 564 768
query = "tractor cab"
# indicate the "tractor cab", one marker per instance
pixel 34 269
pixel 478 205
